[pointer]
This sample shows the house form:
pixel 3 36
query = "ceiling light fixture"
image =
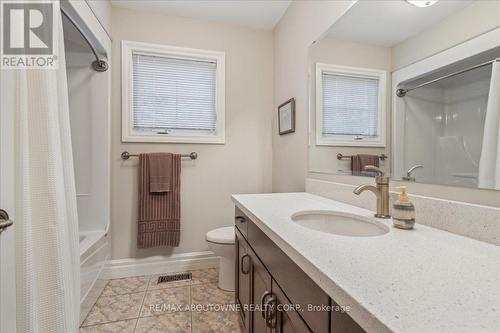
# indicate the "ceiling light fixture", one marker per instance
pixel 422 3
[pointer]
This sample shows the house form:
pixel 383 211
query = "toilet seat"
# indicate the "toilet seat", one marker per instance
pixel 224 235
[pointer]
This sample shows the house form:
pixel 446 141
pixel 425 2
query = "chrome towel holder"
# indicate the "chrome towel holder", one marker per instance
pixel 345 157
pixel 126 155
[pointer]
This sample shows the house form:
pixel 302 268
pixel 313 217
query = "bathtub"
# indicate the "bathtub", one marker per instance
pixel 89 238
pixel 94 253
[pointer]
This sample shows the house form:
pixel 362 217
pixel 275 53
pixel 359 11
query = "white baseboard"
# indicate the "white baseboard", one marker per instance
pixel 121 268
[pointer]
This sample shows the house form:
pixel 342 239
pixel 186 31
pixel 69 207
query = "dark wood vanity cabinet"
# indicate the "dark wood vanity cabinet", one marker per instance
pixel 287 318
pixel 243 278
pixel 274 293
pixel 253 285
pixel 261 286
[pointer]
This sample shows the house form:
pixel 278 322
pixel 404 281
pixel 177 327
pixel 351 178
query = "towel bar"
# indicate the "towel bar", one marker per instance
pixel 126 155
pixel 344 157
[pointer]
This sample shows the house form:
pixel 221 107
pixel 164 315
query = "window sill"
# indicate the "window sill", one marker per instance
pixel 351 143
pixel 174 139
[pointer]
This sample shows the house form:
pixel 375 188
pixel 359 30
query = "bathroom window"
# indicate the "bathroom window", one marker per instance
pixel 350 106
pixel 172 94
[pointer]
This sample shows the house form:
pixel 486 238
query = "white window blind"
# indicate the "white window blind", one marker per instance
pixel 350 105
pixel 173 94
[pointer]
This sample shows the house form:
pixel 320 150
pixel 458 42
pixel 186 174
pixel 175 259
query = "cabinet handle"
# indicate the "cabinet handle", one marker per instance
pixel 242 264
pixel 263 302
pixel 279 322
pixel 272 308
pixel 240 219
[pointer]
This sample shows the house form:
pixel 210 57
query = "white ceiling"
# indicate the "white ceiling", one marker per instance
pixel 389 22
pixel 261 14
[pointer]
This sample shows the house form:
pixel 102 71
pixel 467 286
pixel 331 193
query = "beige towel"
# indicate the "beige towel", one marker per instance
pixel 159 213
pixel 160 172
pixel 358 163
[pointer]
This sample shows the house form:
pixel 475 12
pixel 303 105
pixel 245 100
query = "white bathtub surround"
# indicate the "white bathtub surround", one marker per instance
pixel 489 164
pixel 94 253
pixel 89 238
pixel 469 220
pixel 89 94
pixel 46 226
pixel 422 280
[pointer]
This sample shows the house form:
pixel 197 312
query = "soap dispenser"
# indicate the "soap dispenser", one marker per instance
pixel 403 211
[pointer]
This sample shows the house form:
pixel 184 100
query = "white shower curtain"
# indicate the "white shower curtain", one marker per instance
pixel 489 164
pixel 46 231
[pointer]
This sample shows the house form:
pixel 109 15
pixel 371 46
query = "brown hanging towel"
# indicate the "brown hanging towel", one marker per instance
pixel 358 163
pixel 159 212
pixel 160 172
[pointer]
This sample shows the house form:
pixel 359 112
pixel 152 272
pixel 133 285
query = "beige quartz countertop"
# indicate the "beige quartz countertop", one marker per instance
pixel 423 280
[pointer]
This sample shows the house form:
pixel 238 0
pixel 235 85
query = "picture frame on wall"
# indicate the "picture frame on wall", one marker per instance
pixel 286 117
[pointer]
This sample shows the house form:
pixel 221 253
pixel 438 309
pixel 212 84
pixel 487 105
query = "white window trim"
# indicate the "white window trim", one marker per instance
pixel 350 140
pixel 128 132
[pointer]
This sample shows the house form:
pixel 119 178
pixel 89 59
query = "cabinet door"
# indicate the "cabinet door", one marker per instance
pixel 283 316
pixel 297 285
pixel 261 292
pixel 243 278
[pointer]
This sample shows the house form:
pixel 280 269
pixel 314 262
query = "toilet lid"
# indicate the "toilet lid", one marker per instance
pixel 223 235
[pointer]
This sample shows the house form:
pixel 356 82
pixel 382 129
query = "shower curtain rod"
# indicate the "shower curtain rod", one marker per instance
pixel 402 92
pixel 98 65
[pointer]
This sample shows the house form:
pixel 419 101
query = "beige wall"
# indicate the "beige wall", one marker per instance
pixel 242 165
pixel 290 153
pixel 479 17
pixel 303 23
pixel 339 52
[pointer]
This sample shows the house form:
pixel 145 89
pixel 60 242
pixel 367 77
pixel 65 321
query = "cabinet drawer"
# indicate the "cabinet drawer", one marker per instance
pixel 296 285
pixel 241 222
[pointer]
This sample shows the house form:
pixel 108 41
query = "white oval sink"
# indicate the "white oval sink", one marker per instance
pixel 340 223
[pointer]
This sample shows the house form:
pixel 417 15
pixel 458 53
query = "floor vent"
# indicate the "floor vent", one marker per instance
pixel 174 277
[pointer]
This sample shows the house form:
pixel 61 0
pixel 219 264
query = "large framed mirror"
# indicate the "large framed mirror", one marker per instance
pixel 412 87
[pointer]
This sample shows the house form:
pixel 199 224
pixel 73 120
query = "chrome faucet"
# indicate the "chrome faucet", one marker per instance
pixel 408 176
pixel 381 191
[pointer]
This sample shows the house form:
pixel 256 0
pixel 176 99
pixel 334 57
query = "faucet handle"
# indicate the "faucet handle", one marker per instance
pixel 374 169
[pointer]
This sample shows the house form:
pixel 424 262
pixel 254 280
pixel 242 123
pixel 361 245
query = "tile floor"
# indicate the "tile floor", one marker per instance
pixel 139 304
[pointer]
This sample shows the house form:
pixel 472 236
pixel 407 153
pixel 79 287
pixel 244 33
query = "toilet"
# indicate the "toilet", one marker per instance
pixel 221 242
